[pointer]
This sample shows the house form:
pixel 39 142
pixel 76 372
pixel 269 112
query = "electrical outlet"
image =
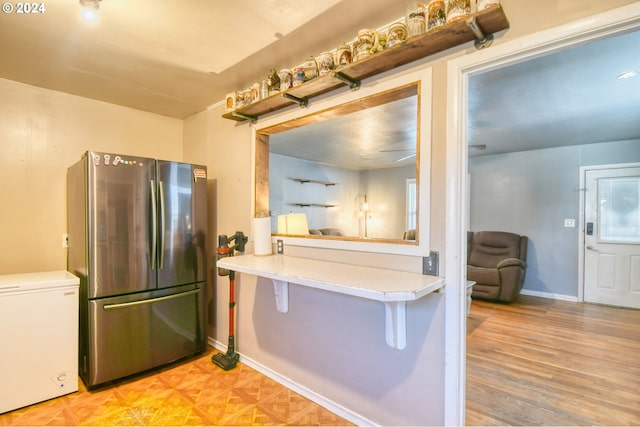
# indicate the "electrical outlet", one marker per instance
pixel 65 240
pixel 430 264
pixel 569 222
pixel 279 246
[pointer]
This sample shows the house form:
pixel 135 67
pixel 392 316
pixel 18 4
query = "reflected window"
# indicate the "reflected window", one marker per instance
pixel 412 204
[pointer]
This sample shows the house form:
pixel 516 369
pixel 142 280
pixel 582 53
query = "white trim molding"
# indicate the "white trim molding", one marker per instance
pixel 549 295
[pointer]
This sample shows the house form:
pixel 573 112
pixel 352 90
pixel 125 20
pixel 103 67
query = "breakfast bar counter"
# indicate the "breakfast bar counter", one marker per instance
pixel 392 288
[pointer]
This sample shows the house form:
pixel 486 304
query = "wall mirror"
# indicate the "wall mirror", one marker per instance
pixel 350 171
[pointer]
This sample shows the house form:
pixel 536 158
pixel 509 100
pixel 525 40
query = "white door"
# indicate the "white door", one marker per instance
pixel 612 237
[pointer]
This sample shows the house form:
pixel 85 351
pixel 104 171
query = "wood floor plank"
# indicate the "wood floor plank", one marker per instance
pixel 546 362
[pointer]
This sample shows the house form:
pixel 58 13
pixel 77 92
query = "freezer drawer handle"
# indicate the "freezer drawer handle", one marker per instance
pixel 149 301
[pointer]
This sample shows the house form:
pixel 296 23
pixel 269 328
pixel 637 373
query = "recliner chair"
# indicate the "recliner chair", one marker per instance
pixel 496 261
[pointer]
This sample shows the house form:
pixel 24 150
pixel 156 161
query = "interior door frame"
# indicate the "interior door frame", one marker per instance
pixel 581 221
pixel 604 24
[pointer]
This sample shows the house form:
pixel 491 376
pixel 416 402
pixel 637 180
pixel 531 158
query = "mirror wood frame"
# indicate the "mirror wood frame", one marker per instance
pixel 394 90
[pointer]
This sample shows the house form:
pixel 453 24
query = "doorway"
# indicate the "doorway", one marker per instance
pixel 606 24
pixel 611 247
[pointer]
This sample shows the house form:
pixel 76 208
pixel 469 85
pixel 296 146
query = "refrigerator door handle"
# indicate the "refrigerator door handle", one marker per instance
pixel 149 301
pixel 154 225
pixel 162 223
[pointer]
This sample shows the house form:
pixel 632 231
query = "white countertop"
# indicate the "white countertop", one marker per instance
pixel 392 288
pixel 40 280
pixel 378 284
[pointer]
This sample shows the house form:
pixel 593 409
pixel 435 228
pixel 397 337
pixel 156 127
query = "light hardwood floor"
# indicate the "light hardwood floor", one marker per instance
pixel 547 362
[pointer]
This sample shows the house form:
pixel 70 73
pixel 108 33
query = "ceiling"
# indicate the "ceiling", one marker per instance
pixel 176 58
pixel 374 138
pixel 575 96
pixel 172 57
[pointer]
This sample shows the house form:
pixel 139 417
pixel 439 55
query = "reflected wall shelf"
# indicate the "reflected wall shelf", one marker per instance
pixel 304 181
pixel 322 205
pixel 314 181
pixel 479 26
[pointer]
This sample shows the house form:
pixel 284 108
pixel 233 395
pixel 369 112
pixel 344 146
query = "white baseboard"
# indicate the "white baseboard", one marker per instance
pixel 549 295
pixel 321 400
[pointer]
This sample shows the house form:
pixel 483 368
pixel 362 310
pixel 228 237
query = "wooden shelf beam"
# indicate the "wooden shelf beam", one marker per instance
pixel 479 26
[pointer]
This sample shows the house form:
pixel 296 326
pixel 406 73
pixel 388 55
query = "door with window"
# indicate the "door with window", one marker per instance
pixel 612 236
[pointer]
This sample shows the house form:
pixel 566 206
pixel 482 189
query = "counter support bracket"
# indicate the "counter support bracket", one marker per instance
pixel 281 290
pixel 395 320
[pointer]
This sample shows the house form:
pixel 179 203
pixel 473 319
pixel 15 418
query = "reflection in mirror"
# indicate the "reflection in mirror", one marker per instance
pixel 349 172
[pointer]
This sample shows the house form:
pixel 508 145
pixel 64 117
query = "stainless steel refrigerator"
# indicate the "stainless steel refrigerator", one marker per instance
pixel 137 230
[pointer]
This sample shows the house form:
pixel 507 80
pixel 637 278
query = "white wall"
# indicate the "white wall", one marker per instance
pixel 42 133
pixel 531 193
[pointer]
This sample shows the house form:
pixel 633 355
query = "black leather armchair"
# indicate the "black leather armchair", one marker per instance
pixel 496 261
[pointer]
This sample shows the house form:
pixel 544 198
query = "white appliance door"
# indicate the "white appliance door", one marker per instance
pixel 39 336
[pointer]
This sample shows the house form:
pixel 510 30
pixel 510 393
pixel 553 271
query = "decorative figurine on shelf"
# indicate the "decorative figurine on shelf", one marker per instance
pixel 255 92
pixel 230 102
pixel 325 63
pixel 297 76
pixel 273 82
pixel 458 9
pixel 437 14
pixel 310 67
pixel 367 43
pixel 343 56
pixel 286 79
pixel 240 99
pixel 483 4
pixel 416 18
pixel 396 34
pixel 264 88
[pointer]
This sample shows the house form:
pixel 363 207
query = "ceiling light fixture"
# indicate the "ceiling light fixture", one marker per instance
pixel 405 157
pixel 627 75
pixel 89 11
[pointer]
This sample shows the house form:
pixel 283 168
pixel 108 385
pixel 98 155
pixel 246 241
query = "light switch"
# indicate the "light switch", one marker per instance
pixel 569 222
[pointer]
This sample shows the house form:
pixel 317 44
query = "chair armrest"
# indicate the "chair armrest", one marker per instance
pixel 511 262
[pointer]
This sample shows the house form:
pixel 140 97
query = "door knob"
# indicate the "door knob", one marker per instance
pixel 591 248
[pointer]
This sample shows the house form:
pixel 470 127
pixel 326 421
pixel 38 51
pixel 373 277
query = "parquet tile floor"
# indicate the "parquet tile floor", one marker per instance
pixel 195 392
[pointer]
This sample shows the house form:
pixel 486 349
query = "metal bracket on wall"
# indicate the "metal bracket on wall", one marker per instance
pixel 302 102
pixel 253 119
pixel 482 40
pixel 353 83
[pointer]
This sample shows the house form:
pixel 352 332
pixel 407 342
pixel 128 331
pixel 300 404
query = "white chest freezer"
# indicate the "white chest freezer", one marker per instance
pixel 39 336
